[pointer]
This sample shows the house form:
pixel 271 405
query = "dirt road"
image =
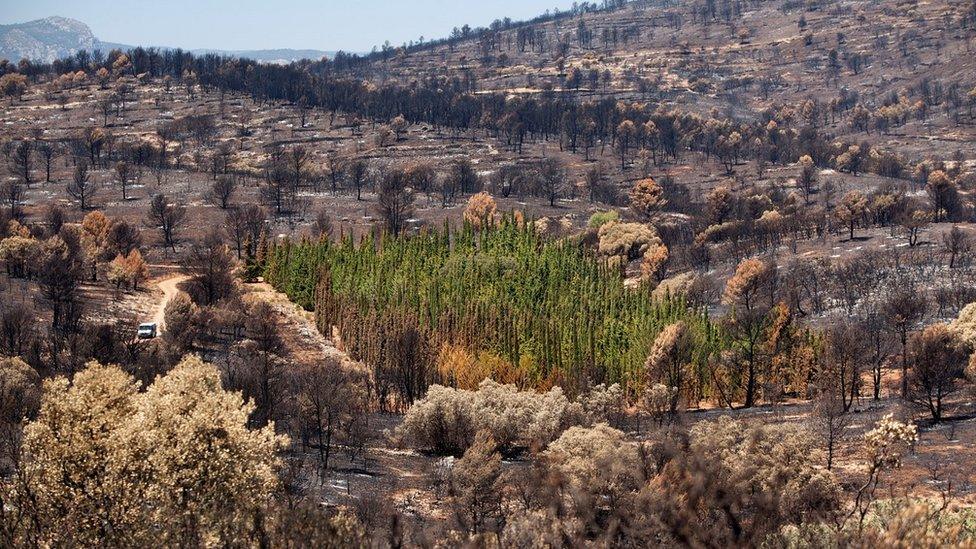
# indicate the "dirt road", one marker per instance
pixel 302 339
pixel 169 287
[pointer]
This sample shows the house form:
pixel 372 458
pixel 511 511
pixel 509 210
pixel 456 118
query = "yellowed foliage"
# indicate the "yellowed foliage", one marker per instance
pixel 464 370
pixel 94 231
pixel 481 210
pixel 15 228
pixel 458 367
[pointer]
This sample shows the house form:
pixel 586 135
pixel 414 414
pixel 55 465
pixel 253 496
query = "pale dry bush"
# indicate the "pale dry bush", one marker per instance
pixel 475 487
pixel 80 464
pixel 889 440
pixel 917 524
pixel 520 417
pixel 20 390
pixel 656 401
pixel 782 460
pixel 311 525
pixel 399 125
pixel 16 228
pixel 808 534
pixel 446 420
pixel 845 161
pixel 20 398
pixel 442 421
pixel 540 528
pixel 965 325
pixel 730 484
pixel 602 404
pixel 551 227
pixel 675 285
pixel 626 241
pixel 204 460
pixel 179 320
pixel 771 221
pixel 720 231
pixel 596 460
pixel 182 449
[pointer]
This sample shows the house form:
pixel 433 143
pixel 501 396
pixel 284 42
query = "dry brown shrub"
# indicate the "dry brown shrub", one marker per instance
pixel 481 210
pixel 647 198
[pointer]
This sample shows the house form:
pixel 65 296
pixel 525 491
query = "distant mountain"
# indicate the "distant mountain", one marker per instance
pixel 45 39
pixel 57 37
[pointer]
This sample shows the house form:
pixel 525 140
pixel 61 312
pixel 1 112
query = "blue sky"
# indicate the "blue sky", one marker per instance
pixel 351 25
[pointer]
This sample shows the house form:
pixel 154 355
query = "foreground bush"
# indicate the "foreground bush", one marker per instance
pixel 106 465
pixel 783 461
pixel 596 460
pixel 446 420
pixel 725 483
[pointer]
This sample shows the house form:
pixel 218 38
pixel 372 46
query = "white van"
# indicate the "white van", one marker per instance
pixel 147 331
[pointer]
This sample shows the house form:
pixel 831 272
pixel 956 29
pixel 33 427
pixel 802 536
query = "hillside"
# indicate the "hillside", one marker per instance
pixel 744 59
